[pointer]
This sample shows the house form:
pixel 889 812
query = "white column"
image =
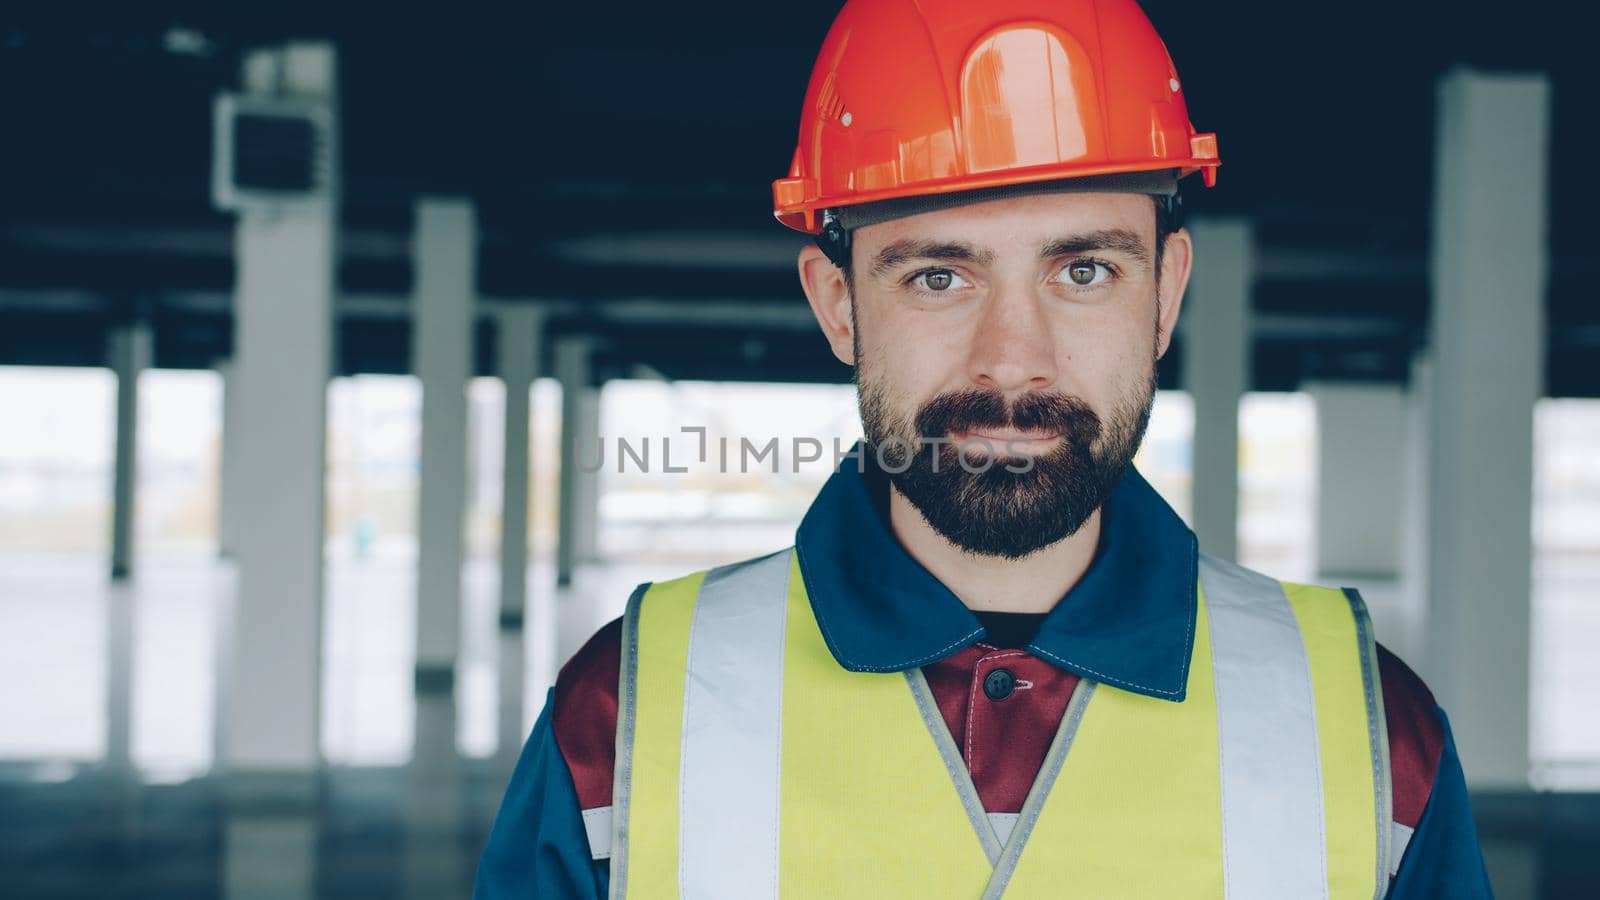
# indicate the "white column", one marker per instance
pixel 1365 478
pixel 580 431
pixel 269 855
pixel 445 255
pixel 1216 373
pixel 1487 331
pixel 283 358
pixel 431 865
pixel 229 512
pixel 121 599
pixel 130 350
pixel 520 336
pixel 1361 483
pixel 521 333
pixel 1415 534
pixel 586 500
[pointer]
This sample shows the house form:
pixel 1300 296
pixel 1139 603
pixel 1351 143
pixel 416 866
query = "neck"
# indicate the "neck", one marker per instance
pixel 1034 583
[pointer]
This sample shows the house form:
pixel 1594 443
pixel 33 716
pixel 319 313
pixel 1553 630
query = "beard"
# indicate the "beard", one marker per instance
pixel 997 503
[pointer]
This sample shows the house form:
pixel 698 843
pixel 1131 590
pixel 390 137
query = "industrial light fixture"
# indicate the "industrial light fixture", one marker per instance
pixel 270 152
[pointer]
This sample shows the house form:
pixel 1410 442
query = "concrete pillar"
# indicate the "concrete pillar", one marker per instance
pixel 1414 527
pixel 580 432
pixel 229 512
pixel 586 499
pixel 521 334
pixel 1361 480
pixel 283 358
pixel 120 603
pixel 1216 373
pixel 130 350
pixel 269 854
pixel 1488 339
pixel 433 805
pixel 445 252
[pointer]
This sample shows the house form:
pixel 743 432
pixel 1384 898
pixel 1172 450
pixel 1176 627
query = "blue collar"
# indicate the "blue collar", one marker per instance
pixel 1129 622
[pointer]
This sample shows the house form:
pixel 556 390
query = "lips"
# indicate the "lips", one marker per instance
pixel 1033 423
pixel 1003 435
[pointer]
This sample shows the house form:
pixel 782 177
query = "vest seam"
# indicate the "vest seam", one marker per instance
pixel 622 776
pixel 1378 737
pixel 960 776
pixel 1222 755
pixel 683 731
pixel 1044 782
pixel 789 565
pixel 1316 742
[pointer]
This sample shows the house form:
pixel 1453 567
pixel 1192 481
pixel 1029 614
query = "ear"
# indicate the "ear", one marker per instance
pixel 1177 259
pixel 829 295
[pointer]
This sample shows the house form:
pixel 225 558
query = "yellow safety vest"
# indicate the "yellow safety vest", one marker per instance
pixel 750 764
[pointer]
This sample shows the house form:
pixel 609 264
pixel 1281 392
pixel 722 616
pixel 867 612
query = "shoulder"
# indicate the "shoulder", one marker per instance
pixel 1416 736
pixel 584 714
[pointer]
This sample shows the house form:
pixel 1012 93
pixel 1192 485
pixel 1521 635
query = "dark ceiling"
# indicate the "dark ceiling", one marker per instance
pixel 604 119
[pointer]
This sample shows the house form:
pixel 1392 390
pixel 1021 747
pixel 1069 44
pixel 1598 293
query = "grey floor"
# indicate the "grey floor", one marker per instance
pixel 352 832
pixel 107 778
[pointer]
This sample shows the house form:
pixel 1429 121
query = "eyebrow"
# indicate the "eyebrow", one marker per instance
pixel 908 249
pixel 1116 240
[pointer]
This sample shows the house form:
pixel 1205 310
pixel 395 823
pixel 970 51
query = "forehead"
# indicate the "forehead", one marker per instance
pixel 1018 224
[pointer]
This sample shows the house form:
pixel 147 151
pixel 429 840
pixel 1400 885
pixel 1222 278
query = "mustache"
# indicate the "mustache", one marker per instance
pixel 976 409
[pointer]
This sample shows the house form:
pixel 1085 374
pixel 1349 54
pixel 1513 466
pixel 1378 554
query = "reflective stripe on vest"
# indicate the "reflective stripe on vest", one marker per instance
pixel 751 765
pixel 1266 721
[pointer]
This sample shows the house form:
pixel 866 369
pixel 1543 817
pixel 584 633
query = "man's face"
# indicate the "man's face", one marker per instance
pixel 1005 356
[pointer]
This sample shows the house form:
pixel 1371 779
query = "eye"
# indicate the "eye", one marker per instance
pixel 937 281
pixel 1086 272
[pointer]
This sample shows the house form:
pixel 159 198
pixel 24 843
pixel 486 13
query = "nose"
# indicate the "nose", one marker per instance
pixel 1012 349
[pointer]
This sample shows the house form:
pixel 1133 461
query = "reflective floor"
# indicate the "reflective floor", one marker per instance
pixel 410 832
pixel 381 832
pixel 107 787
pixel 107 747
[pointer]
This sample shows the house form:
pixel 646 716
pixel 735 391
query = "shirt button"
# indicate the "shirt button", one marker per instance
pixel 999 684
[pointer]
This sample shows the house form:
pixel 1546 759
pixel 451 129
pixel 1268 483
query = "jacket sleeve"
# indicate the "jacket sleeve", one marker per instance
pixel 538 847
pixel 1443 859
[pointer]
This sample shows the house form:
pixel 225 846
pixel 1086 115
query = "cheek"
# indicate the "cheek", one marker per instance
pixel 1100 356
pixel 914 356
pixel 910 372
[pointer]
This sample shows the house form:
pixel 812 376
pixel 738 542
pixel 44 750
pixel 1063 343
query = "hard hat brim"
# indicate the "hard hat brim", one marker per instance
pixel 1157 182
pixel 802 213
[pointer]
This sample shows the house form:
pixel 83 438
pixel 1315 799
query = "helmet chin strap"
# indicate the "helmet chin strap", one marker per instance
pixel 1172 205
pixel 834 240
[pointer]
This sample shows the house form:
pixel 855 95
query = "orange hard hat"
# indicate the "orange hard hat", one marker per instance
pixel 919 97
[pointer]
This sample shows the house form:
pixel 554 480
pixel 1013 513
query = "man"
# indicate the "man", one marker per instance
pixel 994 660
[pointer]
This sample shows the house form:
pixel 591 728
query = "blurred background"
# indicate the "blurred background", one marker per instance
pixel 271 626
